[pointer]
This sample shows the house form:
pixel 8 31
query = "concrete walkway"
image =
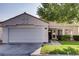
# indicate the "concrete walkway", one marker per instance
pixel 55 43
pixel 36 52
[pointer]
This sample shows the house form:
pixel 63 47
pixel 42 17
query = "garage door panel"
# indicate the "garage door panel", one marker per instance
pixel 26 34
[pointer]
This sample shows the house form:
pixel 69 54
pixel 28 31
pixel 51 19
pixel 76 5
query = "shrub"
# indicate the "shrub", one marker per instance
pixel 70 51
pixel 64 37
pixel 76 37
pixel 64 50
pixel 56 51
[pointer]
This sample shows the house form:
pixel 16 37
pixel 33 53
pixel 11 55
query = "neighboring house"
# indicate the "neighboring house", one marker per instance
pixel 24 28
pixel 63 29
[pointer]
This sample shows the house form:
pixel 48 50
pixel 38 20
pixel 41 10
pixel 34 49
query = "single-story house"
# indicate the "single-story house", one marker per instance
pixel 24 28
pixel 31 32
pixel 63 29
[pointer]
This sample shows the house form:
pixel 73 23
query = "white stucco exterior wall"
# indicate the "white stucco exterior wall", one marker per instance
pixel 5 35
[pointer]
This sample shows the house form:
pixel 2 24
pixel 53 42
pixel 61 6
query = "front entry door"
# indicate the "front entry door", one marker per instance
pixel 59 32
pixel 54 33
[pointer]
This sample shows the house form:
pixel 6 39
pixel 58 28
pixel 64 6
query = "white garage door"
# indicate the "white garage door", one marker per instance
pixel 26 34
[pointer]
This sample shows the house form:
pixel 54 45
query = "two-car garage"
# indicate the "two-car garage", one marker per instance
pixel 24 28
pixel 25 35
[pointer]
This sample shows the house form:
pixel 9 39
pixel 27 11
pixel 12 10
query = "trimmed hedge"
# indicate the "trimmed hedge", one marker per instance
pixel 67 37
pixel 64 37
pixel 76 37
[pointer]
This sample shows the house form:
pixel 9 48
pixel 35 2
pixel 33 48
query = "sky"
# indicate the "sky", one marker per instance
pixel 9 10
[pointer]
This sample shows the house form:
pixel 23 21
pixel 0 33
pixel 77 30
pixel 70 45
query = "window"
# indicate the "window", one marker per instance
pixel 59 32
pixel 67 31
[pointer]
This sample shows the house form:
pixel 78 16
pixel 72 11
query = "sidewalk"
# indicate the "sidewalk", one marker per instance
pixel 55 43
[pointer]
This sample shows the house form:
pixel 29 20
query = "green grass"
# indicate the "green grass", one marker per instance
pixel 71 47
pixel 48 49
pixel 69 42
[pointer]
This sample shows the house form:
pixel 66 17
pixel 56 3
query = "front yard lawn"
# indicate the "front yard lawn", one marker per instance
pixel 60 49
pixel 69 42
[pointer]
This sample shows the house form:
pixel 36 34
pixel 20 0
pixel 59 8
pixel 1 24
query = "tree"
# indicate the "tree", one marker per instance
pixel 62 12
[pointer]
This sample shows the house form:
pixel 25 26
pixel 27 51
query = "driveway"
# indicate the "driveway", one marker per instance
pixel 19 49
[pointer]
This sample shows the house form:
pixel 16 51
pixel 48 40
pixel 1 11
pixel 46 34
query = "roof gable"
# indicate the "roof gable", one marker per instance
pixel 23 18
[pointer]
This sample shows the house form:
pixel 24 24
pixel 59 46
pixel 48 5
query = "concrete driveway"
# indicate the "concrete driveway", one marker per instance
pixel 19 49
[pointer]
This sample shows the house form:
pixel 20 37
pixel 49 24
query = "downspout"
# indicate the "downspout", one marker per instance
pixel 8 35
